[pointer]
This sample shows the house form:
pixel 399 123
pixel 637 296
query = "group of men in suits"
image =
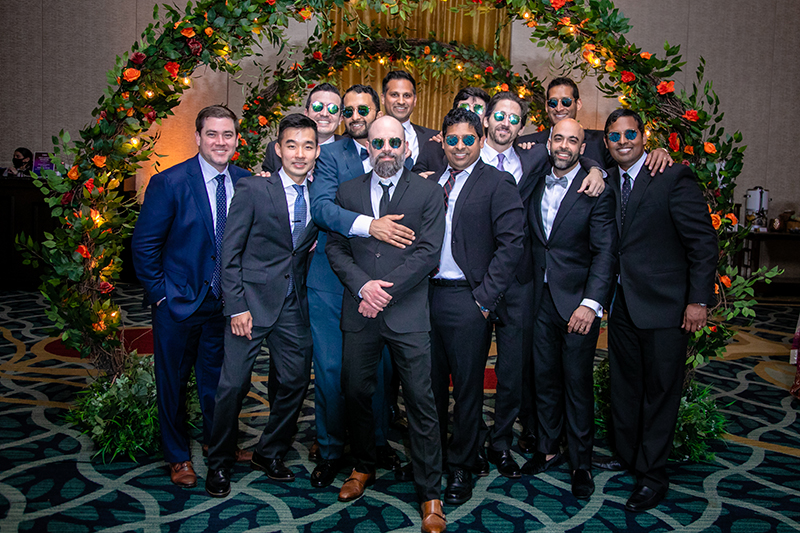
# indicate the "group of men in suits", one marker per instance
pixel 410 276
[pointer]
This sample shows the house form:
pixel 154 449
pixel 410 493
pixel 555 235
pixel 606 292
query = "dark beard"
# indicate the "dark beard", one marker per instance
pixel 387 169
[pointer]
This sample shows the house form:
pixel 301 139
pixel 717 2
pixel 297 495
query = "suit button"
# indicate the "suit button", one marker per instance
pixel 213 258
pixel 378 254
pixel 286 276
pixel 206 282
pixel 294 254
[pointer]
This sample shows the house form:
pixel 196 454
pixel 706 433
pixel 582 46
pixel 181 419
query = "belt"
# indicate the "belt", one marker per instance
pixel 437 282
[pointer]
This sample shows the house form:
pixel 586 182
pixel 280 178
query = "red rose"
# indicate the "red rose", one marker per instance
pixel 674 143
pixel 666 87
pixel 489 70
pixel 628 77
pixel 317 55
pixel 691 115
pixel 67 198
pixel 557 4
pixel 83 251
pixel 105 287
pixel 89 184
pixel 150 114
pixel 173 68
pixel 195 46
pixel 271 2
pixel 235 156
pixel 138 58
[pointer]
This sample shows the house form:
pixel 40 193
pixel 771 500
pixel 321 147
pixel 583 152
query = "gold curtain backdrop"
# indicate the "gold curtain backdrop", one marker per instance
pixel 434 96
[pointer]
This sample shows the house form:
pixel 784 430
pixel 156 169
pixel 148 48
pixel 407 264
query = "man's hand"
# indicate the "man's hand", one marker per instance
pixel 372 292
pixel 367 310
pixel 527 145
pixel 427 174
pixel 437 138
pixel 387 230
pixel 694 318
pixel 264 174
pixel 658 160
pixel 593 184
pixel 581 320
pixel 242 325
pixel 484 313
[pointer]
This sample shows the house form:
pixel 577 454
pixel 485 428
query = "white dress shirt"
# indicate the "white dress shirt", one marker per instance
pixel 633 171
pixel 551 201
pixel 511 162
pixel 448 268
pixel 411 139
pixel 376 191
pixel 291 197
pixel 209 173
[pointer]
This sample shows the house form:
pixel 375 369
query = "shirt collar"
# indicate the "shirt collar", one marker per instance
pixel 492 154
pixel 635 168
pixel 358 146
pixel 394 179
pixel 286 181
pixel 468 170
pixel 209 172
pixel 569 175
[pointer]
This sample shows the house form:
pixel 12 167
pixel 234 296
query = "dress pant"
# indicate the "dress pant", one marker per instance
pixel 411 358
pixel 460 340
pixel 179 346
pixel 325 313
pixel 647 368
pixel 564 384
pixel 289 343
pixel 514 340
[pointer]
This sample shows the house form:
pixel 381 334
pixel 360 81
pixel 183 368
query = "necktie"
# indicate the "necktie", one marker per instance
pixel 551 180
pixel 299 225
pixel 448 186
pixel 219 233
pixel 383 207
pixel 626 194
pixel 364 154
pixel 500 160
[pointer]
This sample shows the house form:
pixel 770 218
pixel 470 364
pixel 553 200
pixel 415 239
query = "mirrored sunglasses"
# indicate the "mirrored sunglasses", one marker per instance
pixel 553 102
pixel 500 116
pixel 615 136
pixel 394 142
pixel 475 108
pixel 348 111
pixel 452 140
pixel 319 106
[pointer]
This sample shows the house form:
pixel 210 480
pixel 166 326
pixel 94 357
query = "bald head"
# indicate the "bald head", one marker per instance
pixel 390 155
pixel 565 145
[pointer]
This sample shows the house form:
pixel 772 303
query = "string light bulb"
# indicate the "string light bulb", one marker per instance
pixel 149 94
pixel 186 81
pixel 135 141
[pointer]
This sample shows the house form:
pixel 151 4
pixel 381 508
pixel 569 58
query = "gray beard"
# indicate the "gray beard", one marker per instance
pixel 387 169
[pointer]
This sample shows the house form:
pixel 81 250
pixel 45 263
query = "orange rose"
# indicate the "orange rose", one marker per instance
pixel 235 156
pixel 716 289
pixel 427 50
pixel 610 65
pixel 709 148
pixel 504 87
pixel 246 107
pixel 725 281
pixel 99 161
pixel 627 77
pixel 674 143
pixel 715 220
pixel 713 329
pixel 691 115
pixel 262 120
pixel 188 32
pixel 646 55
pixel 732 218
pixel 131 74
pixel 557 4
pixel 209 32
pixel 666 87
pixel 83 251
pixel 688 149
pixel 125 95
pixel 74 173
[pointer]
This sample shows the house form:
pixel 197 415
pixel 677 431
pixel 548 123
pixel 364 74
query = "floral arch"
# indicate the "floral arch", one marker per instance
pixel 147 83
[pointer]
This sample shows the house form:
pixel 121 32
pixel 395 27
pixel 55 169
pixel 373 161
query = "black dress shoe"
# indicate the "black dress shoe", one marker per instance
pixel 527 441
pixel 274 468
pixel 582 484
pixel 325 472
pixel 387 458
pixel 404 473
pixel 218 483
pixel 505 463
pixel 396 419
pixel 607 462
pixel 539 463
pixel 642 499
pixel 481 467
pixel 459 487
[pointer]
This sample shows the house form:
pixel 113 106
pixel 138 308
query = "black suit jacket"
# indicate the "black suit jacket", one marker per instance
pixel 272 163
pixel 488 234
pixel 667 249
pixel 257 252
pixel 595 146
pixel 580 256
pixel 358 260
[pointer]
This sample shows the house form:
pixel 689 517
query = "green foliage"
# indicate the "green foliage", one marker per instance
pixel 119 413
pixel 699 417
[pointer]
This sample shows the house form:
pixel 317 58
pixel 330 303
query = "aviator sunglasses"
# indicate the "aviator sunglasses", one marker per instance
pixel 348 111
pixel 500 116
pixel 476 108
pixel 553 102
pixel 394 142
pixel 615 136
pixel 452 140
pixel 319 106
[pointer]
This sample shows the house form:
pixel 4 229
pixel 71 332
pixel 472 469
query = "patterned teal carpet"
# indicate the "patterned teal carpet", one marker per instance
pixel 49 481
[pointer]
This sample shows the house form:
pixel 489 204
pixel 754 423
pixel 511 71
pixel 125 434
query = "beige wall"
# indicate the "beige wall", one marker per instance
pixel 56 54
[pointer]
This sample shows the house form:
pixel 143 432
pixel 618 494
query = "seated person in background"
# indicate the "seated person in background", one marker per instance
pixel 23 162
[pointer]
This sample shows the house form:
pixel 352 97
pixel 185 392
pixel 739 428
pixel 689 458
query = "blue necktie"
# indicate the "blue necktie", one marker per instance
pixel 364 154
pixel 551 180
pixel 626 194
pixel 299 225
pixel 219 233
pixel 500 160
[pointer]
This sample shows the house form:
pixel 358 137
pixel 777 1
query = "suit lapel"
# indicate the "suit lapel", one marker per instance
pixel 613 181
pixel 468 186
pixel 536 205
pixel 366 194
pixel 402 187
pixel 640 185
pixel 198 186
pixel 569 200
pixel 278 197
pixel 352 161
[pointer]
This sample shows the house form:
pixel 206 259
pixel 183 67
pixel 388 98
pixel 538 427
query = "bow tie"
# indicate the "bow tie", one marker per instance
pixel 364 154
pixel 550 181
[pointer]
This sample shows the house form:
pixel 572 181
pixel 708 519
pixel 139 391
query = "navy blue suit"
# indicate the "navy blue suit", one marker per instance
pixel 337 163
pixel 174 255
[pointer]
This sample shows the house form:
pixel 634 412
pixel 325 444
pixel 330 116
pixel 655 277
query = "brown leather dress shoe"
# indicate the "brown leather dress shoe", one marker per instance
pixel 433 520
pixel 354 487
pixel 242 456
pixel 314 453
pixel 182 474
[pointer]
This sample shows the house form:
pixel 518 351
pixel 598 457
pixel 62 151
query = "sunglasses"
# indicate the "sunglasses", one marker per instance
pixel 452 140
pixel 476 108
pixel 553 102
pixel 394 142
pixel 500 116
pixel 319 106
pixel 615 136
pixel 348 111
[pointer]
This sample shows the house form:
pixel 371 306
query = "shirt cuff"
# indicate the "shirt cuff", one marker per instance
pixel 237 314
pixel 360 227
pixel 594 306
